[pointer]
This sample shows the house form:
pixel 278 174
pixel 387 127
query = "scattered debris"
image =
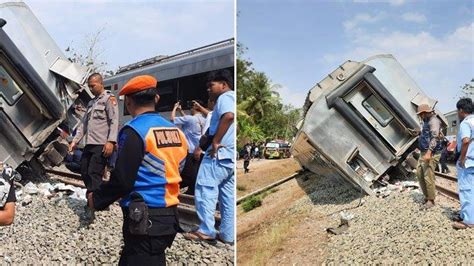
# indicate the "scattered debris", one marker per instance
pixel 30 189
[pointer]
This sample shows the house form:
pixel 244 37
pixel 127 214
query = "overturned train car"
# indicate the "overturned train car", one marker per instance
pixel 39 91
pixel 360 122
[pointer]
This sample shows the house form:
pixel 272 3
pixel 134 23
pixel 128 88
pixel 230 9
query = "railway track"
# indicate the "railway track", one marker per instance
pixel 186 208
pixel 447 189
pixel 268 187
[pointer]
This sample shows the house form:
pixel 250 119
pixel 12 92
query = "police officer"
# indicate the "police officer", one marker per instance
pixel 151 151
pixel 99 128
pixel 430 146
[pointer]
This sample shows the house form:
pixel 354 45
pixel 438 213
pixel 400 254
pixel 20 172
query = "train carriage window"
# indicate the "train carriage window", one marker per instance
pixel 453 124
pixel 168 91
pixel 377 110
pixel 9 89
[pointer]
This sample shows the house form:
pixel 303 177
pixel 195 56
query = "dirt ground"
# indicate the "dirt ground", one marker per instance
pixel 265 233
pixel 263 172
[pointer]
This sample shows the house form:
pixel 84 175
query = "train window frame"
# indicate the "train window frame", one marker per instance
pixel 377 115
pixel 13 77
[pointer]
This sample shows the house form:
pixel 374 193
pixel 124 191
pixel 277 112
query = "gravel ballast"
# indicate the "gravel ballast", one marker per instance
pixel 55 231
pixel 387 230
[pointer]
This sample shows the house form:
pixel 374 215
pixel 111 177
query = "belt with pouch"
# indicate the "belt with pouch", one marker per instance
pixel 139 219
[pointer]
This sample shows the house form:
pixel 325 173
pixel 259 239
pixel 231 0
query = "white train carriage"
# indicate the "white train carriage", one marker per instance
pixel 181 77
pixel 39 89
pixel 359 122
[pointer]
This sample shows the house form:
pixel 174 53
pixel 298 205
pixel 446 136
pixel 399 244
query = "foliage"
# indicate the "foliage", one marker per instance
pixel 90 53
pixel 261 114
pixel 251 203
pixel 256 200
pixel 468 89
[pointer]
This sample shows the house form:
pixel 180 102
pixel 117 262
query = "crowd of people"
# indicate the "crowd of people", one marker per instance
pixel 154 158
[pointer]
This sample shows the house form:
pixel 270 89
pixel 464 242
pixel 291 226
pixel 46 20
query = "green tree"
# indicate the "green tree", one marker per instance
pixel 260 111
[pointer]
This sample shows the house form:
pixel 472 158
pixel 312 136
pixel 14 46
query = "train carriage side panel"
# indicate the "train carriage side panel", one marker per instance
pixel 182 77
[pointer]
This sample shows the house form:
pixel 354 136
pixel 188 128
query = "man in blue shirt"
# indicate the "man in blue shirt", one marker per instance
pixel 465 164
pixel 215 180
pixel 192 126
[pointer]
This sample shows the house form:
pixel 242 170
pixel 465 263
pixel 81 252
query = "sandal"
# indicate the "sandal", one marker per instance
pixel 461 225
pixel 197 236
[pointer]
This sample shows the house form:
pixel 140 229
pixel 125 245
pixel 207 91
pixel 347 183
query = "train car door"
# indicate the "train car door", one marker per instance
pixel 25 114
pixel 383 120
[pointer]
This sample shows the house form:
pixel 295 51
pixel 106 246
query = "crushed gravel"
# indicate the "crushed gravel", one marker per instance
pixel 390 230
pixel 55 230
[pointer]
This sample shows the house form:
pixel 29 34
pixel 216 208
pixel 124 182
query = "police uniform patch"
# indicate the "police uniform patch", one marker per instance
pixel 113 100
pixel 167 138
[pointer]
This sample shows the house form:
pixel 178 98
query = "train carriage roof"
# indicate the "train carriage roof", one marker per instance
pixel 203 59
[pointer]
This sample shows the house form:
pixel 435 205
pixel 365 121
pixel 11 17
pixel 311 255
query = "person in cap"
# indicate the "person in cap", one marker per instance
pixel 215 180
pixel 429 143
pixel 99 128
pixel 151 153
pixel 465 164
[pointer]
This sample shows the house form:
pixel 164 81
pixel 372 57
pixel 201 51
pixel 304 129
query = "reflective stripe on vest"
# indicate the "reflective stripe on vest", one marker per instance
pixel 165 148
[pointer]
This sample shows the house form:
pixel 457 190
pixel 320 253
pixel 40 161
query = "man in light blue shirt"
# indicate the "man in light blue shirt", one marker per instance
pixel 215 180
pixel 192 126
pixel 465 164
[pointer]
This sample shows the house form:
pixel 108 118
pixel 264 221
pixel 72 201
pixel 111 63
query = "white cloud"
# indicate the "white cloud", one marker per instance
pixel 414 17
pixel 397 2
pixel 391 2
pixel 363 18
pixel 293 97
pixel 440 64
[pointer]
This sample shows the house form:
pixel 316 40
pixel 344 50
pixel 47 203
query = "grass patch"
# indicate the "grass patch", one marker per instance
pixel 251 203
pixel 241 188
pixel 273 190
pixel 256 201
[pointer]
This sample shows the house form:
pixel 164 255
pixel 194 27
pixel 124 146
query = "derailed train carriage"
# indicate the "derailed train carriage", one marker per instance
pixel 360 122
pixel 40 89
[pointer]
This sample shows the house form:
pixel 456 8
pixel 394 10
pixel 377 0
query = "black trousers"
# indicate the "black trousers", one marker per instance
pixel 92 166
pixel 149 249
pixel 145 250
pixel 246 166
pixel 189 173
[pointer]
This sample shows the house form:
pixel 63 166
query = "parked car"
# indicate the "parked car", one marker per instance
pixel 278 150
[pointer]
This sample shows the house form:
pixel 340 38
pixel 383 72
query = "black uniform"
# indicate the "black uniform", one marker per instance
pixel 138 249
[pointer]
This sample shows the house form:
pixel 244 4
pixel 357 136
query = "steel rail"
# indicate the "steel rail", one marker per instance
pixel 186 208
pixel 446 191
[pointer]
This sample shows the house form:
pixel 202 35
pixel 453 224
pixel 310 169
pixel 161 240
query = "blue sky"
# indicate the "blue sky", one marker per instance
pixel 297 43
pixel 136 30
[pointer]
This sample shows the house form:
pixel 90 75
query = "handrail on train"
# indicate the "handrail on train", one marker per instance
pixel 162 58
